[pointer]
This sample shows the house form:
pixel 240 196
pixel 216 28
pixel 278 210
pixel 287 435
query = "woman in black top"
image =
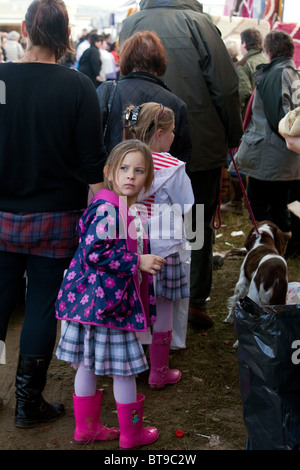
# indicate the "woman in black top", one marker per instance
pixel 51 153
pixel 90 62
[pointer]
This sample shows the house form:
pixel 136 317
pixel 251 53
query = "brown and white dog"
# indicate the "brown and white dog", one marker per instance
pixel 264 273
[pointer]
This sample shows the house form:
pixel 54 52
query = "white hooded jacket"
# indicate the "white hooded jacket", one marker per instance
pixel 169 199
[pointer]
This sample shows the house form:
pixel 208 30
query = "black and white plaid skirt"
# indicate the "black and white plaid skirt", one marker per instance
pixel 107 351
pixel 171 281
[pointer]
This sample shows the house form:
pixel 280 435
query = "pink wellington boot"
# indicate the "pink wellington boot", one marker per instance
pixel 160 374
pixel 132 432
pixel 87 418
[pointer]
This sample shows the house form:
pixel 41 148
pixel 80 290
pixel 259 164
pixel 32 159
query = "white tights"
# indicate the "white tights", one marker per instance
pixel 164 313
pixel 124 388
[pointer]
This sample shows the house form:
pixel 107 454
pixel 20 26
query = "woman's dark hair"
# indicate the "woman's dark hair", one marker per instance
pixel 94 38
pixel 279 44
pixel 143 52
pixel 47 23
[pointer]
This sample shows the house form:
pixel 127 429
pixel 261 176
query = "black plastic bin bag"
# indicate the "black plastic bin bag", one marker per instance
pixel 269 369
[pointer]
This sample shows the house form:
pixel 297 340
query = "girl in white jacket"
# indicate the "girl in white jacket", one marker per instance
pixel 170 198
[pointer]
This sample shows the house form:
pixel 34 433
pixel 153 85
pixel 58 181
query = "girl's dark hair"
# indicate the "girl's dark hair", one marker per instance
pixel 47 24
pixel 279 44
pixel 143 52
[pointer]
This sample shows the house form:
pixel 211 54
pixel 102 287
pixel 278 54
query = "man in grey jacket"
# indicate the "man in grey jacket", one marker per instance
pixel 201 73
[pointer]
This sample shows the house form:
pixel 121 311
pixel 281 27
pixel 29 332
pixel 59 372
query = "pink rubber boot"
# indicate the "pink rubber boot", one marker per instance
pixel 160 374
pixel 132 432
pixel 87 418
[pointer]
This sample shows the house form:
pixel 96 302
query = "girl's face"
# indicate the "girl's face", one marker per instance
pixel 164 139
pixel 131 176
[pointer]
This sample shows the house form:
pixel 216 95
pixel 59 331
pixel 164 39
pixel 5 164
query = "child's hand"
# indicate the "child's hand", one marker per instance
pixel 151 263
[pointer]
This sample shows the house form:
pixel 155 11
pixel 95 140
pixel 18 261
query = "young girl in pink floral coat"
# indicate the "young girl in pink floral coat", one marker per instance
pixel 107 297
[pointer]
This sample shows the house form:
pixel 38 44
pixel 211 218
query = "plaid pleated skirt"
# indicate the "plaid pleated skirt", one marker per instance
pixel 171 281
pixel 107 351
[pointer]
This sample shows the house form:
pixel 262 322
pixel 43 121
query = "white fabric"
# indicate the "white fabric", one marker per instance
pixel 81 48
pixel 108 62
pixel 173 197
pixel 180 309
pixel 14 51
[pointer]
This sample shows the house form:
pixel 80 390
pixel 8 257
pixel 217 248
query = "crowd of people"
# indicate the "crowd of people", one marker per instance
pixel 93 54
pixel 98 154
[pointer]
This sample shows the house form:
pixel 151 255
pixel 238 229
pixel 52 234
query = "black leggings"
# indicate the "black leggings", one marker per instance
pixel 43 279
pixel 206 187
pixel 269 200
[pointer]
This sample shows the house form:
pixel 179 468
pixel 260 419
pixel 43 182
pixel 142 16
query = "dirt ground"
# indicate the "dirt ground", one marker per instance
pixel 205 402
pixel 205 405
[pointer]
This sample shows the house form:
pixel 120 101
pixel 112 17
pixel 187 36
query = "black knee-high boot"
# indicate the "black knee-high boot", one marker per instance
pixel 31 408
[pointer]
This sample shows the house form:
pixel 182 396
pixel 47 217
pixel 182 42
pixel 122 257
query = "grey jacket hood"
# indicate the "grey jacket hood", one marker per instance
pixel 178 4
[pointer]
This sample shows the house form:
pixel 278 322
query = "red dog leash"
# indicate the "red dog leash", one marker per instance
pixel 231 152
pixel 244 191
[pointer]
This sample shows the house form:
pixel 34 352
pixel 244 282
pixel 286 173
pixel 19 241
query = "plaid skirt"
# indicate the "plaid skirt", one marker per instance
pixel 107 351
pixel 171 281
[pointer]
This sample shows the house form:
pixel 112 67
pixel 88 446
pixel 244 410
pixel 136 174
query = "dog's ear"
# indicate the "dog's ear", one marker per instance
pixel 249 242
pixel 279 240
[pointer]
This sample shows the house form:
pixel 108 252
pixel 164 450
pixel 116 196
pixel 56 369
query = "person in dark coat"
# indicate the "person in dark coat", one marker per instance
pixel 142 63
pixel 90 61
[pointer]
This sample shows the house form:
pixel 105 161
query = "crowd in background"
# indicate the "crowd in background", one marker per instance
pixel 12 47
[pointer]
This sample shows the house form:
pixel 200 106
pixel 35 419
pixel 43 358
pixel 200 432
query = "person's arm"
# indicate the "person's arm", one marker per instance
pixel 221 80
pixel 96 187
pixel 182 144
pixel 276 95
pixel 103 93
pixel 245 87
pixel 91 149
pixel 292 143
pixel 95 61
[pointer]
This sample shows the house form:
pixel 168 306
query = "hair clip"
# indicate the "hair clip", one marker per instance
pixel 135 115
pixel 161 112
pixel 131 117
